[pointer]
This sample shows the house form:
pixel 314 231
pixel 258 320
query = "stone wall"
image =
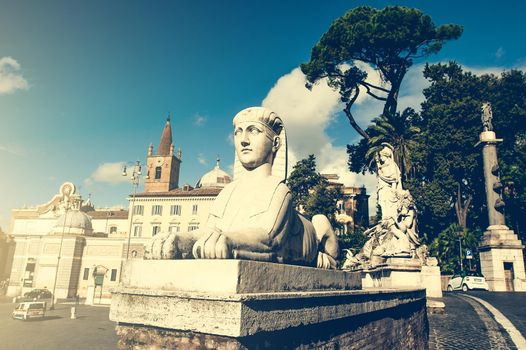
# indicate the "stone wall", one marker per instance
pixel 401 327
pixel 241 304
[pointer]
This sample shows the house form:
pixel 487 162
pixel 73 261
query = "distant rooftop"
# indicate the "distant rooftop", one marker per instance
pixel 185 191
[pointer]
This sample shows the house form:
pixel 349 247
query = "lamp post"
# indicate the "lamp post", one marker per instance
pixel 460 234
pixel 52 307
pixel 135 184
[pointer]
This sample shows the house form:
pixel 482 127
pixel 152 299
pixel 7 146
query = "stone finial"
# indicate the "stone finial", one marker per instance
pixel 150 150
pixel 179 153
pixel 172 149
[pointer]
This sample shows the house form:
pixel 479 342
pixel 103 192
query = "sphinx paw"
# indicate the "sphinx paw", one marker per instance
pixel 325 261
pixel 162 246
pixel 211 245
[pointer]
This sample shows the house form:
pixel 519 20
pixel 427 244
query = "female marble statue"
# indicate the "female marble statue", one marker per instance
pixel 406 221
pixel 253 216
pixel 389 181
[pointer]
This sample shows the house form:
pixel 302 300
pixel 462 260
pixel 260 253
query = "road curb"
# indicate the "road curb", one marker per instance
pixel 515 335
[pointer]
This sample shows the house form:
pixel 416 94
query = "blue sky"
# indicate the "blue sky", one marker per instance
pixel 86 85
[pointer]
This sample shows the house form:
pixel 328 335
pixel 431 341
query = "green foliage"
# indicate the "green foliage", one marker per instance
pixel 449 167
pixel 311 192
pixel 446 248
pixel 389 40
pixel 446 177
pixel 400 131
pixel 353 241
pixel 323 200
pixel 509 120
pixel 302 180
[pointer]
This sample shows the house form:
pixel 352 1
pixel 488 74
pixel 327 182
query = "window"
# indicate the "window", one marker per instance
pixel 158 170
pixel 175 210
pixel 138 210
pixel 174 228
pixel 137 231
pixel 113 229
pixel 194 209
pixel 155 229
pixel 86 274
pixel 157 210
pixel 113 275
pixel 193 227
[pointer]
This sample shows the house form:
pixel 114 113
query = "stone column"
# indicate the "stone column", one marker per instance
pixel 501 256
pixel 491 176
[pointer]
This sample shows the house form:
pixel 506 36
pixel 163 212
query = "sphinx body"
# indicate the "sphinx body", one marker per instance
pixel 253 217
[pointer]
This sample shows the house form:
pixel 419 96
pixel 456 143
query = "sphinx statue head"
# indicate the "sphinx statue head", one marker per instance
pixel 260 138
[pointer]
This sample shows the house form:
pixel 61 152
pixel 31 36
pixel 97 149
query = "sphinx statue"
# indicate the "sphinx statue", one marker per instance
pixel 253 217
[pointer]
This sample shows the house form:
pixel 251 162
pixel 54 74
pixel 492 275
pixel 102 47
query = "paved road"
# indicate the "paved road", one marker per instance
pixel 467 324
pixel 512 305
pixel 92 330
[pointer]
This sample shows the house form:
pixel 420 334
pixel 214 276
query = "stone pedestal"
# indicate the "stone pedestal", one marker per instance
pixel 501 259
pixel 237 304
pixel 403 273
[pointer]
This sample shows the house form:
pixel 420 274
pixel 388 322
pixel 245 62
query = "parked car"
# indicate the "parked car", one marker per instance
pixel 466 281
pixel 35 295
pixel 27 310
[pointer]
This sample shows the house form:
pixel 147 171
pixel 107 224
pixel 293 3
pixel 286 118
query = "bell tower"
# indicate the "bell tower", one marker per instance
pixel 163 166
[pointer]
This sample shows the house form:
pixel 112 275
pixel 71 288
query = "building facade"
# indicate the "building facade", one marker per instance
pixel 73 249
pixel 353 208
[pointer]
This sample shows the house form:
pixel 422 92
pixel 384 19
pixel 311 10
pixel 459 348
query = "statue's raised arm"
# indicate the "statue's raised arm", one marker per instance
pixel 253 217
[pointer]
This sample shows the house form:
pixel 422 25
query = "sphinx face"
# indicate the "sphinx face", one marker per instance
pixel 254 147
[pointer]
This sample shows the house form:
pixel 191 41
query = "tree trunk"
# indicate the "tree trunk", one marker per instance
pixel 462 208
pixel 347 111
pixel 392 98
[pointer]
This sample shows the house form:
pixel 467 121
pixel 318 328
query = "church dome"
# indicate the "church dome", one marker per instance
pixel 73 222
pixel 217 177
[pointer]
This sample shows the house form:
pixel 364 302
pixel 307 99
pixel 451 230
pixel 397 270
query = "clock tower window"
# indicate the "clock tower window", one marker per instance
pixel 158 170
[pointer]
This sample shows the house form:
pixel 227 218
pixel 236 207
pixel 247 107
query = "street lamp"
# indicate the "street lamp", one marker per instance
pixel 136 173
pixel 52 307
pixel 460 234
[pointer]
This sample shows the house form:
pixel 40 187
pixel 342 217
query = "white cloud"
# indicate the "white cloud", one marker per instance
pixel 11 150
pixel 109 173
pixel 199 120
pixel 499 53
pixel 10 77
pixel 306 115
pixel 230 139
pixel 201 159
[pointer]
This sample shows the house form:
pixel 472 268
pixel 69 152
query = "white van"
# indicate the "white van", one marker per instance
pixel 25 311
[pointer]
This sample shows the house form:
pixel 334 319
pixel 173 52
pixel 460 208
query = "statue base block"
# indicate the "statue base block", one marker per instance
pixel 404 273
pixel 258 304
pixel 501 260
